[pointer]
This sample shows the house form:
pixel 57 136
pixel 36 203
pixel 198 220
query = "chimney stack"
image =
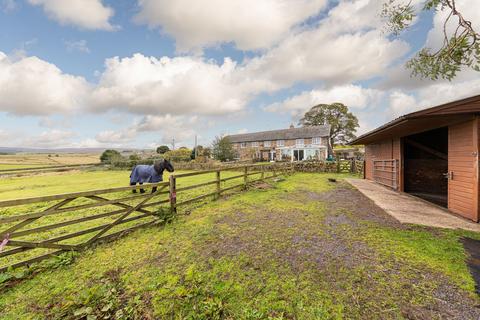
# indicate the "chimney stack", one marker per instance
pixel 291 126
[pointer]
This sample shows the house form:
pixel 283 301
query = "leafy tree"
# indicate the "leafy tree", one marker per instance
pixel 207 152
pixel 201 151
pixel 178 155
pixel 196 151
pixel 163 149
pixel 222 149
pixel 343 123
pixel 461 44
pixel 110 155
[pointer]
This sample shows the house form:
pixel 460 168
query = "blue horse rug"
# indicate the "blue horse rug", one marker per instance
pixel 145 174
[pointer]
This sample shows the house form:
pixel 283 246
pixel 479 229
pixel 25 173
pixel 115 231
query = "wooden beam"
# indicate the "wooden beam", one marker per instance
pixel 427 149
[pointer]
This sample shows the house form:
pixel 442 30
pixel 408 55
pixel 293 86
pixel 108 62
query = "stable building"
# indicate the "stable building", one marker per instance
pixel 431 154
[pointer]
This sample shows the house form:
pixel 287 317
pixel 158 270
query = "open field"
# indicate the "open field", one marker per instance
pixel 26 160
pixel 61 182
pixel 301 249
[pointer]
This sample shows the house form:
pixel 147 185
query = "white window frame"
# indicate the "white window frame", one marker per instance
pixel 280 143
pixel 299 142
pixel 317 140
pixel 243 145
pixel 255 144
pixel 267 143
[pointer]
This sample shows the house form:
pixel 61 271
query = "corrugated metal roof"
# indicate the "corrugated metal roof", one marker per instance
pixel 283 134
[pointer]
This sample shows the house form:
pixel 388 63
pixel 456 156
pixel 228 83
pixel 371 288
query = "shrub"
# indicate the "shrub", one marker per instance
pixel 179 155
pixel 134 157
pixel 110 156
pixel 163 149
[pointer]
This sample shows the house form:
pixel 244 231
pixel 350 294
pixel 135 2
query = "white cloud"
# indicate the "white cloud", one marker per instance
pixel 401 104
pixel 116 137
pixel 31 86
pixel 180 128
pixel 355 97
pixel 180 85
pixel 446 92
pixel 250 24
pixel 80 45
pixel 8 5
pixel 86 14
pixel 50 122
pixel 49 139
pixel 168 127
pixel 319 55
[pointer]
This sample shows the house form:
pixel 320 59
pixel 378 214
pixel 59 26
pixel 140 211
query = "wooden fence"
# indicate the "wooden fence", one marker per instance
pixel 74 221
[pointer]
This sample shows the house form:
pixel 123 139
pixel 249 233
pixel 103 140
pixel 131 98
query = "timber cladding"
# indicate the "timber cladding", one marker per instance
pixel 437 150
pixel 463 167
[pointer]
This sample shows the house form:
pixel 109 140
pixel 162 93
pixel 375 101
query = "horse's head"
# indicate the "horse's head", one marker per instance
pixel 159 166
pixel 168 165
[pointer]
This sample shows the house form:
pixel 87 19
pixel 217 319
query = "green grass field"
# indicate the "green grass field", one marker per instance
pixel 8 166
pixel 303 248
pixel 68 182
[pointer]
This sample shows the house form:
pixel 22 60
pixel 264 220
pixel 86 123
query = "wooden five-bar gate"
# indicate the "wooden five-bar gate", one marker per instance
pixel 34 229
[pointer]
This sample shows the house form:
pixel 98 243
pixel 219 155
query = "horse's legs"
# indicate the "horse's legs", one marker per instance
pixel 142 190
pixel 133 190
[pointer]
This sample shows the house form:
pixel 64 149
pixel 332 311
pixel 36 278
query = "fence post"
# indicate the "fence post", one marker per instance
pixel 173 194
pixel 218 184
pixel 274 172
pixel 245 181
pixel 363 170
pixel 263 172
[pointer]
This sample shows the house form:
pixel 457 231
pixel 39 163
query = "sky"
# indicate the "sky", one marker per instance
pixel 137 74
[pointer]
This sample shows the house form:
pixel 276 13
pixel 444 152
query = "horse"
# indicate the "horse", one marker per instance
pixel 149 173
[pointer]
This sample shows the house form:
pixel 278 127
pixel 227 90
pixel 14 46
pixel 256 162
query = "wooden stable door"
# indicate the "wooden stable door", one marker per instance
pixel 463 169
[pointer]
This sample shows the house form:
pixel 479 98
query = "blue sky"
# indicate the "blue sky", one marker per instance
pixel 93 73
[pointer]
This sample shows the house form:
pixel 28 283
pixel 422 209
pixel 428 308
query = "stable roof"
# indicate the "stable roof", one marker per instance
pixel 424 120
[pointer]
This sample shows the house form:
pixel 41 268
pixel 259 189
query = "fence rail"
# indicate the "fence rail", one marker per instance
pixel 34 229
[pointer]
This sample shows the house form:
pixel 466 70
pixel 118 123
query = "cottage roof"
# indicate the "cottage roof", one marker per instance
pixel 283 134
pixel 424 120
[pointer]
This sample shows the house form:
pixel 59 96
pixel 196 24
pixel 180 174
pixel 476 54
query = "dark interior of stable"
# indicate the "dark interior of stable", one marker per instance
pixel 426 165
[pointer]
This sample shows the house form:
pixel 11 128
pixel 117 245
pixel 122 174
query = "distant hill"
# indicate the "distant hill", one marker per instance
pixel 61 150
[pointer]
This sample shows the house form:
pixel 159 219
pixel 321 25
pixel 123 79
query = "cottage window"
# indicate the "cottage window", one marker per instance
pixel 266 143
pixel 243 145
pixel 255 144
pixel 317 140
pixel 299 142
pixel 280 143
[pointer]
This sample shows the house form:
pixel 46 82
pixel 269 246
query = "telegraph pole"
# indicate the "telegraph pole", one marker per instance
pixel 196 149
pixel 173 143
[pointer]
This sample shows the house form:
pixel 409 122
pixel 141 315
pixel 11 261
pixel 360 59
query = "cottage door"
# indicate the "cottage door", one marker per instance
pixel 463 169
